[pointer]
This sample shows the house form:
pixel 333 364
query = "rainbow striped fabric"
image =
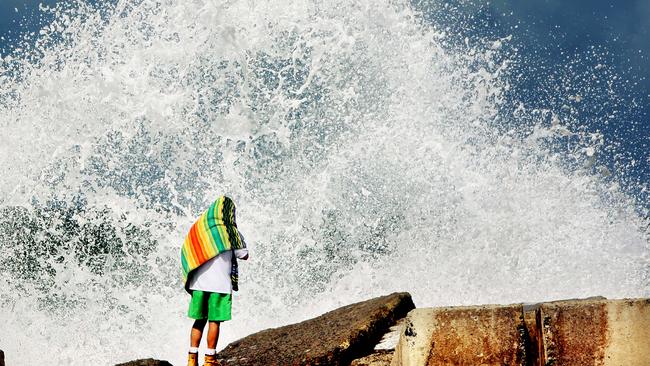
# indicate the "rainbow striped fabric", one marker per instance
pixel 214 232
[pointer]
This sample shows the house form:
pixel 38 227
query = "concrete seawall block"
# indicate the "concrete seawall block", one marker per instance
pixel 629 332
pixel 596 332
pixel 477 335
pixel 592 332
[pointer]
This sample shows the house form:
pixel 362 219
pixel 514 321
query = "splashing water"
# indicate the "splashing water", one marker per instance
pixel 365 152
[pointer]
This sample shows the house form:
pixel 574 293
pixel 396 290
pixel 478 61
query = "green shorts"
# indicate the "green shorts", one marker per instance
pixel 210 305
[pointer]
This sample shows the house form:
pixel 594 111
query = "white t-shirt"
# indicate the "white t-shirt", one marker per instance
pixel 214 275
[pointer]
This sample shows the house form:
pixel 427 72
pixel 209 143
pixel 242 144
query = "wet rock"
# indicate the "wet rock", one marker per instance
pixel 333 339
pixel 144 362
pixel 379 358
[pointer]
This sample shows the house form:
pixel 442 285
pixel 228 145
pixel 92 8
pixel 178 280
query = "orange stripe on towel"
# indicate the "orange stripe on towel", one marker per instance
pixel 196 245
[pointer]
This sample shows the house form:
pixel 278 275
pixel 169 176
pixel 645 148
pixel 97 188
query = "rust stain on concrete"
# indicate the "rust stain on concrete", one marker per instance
pixel 573 333
pixel 589 332
pixel 470 336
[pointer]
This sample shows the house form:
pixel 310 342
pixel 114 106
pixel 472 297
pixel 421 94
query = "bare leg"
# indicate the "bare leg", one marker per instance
pixel 197 332
pixel 213 334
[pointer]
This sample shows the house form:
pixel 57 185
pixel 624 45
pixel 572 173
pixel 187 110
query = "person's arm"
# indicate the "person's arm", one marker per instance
pixel 241 253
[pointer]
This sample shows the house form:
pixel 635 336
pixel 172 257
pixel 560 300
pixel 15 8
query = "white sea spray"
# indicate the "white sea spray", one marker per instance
pixel 362 150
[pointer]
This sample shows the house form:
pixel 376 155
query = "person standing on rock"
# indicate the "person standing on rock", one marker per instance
pixel 209 260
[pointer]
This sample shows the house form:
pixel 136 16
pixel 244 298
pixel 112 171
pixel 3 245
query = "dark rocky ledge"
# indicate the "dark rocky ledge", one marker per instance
pixel 378 358
pixel 145 362
pixel 335 338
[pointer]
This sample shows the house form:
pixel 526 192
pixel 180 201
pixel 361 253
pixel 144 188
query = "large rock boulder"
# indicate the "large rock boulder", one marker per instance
pixel 333 339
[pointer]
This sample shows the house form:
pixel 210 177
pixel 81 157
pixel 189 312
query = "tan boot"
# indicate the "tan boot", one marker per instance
pixel 193 359
pixel 211 360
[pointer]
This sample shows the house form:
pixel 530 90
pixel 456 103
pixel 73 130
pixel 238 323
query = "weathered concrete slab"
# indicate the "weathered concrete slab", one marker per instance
pixel 146 362
pixel 591 332
pixel 574 332
pixel 335 338
pixel 629 332
pixel 596 332
pixel 476 335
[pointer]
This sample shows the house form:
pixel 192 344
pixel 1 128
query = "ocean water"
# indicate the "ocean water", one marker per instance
pixel 368 151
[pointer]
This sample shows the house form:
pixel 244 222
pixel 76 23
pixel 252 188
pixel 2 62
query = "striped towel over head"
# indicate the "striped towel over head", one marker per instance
pixel 213 233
